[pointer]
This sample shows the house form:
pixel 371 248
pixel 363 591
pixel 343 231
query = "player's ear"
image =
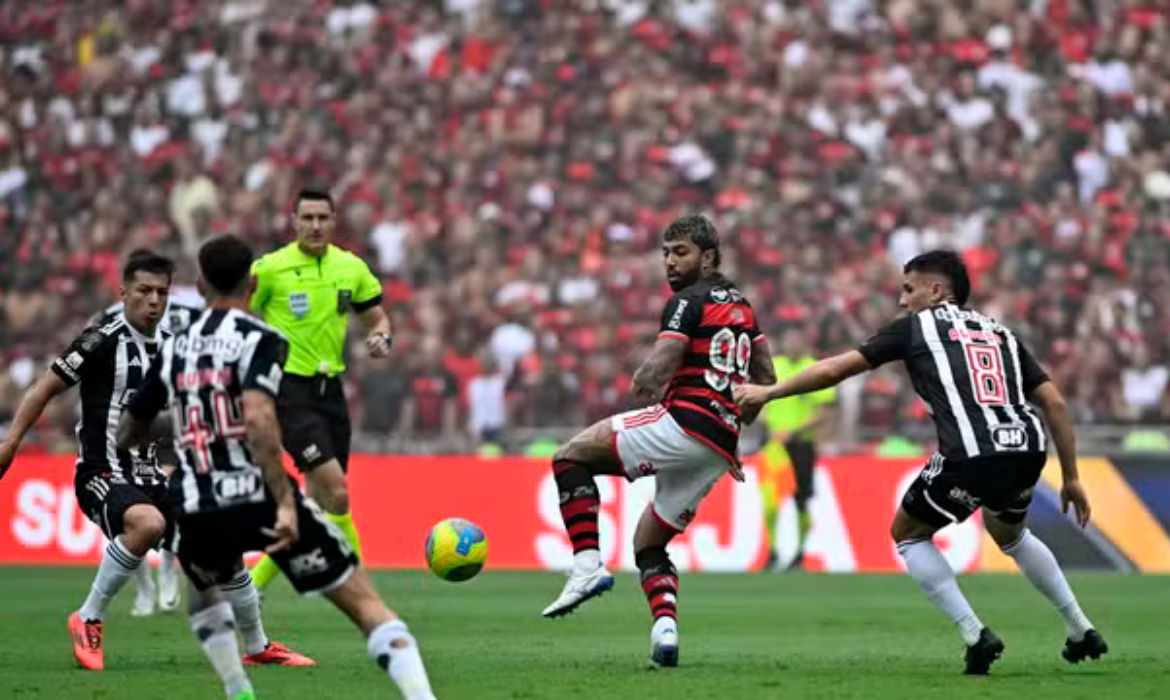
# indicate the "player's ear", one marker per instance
pixel 201 286
pixel 253 283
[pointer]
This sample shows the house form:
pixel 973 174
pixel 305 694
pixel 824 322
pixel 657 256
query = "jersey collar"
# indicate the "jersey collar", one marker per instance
pixel 309 258
pixel 137 335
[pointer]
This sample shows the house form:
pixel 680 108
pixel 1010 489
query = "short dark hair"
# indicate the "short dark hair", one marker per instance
pixel 313 194
pixel 144 260
pixel 699 230
pixel 226 264
pixel 946 263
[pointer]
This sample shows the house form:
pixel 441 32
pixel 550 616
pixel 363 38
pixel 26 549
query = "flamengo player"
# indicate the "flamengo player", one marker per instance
pixel 978 381
pixel 709 343
pixel 232 495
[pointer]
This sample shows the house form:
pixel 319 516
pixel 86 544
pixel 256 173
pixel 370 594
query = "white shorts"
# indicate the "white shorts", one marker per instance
pixel 649 442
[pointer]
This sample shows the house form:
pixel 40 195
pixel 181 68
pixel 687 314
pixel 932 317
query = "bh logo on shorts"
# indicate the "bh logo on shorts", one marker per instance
pixel 309 563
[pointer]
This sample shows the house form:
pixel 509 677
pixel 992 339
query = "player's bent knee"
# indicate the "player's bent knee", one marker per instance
pixel 144 523
pixel 906 527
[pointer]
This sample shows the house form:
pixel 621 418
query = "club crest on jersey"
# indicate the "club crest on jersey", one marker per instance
pixel 720 295
pixel 1010 437
pixel 298 304
pixel 90 341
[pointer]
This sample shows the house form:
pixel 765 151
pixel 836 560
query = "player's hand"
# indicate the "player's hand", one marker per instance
pixel 7 455
pixel 751 398
pixel 285 531
pixel 1071 492
pixel 378 344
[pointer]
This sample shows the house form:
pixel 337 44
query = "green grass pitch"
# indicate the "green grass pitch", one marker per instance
pixel 748 636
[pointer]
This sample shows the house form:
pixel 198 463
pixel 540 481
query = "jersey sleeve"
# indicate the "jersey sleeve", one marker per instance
pixel 263 274
pixel 680 318
pixel 266 370
pixel 368 293
pixel 152 396
pixel 1030 371
pixel 890 343
pixel 81 355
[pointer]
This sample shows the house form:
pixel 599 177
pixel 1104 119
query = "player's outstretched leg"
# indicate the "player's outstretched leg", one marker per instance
pixel 141 526
pixel 574 464
pixel 258 649
pixel 927 566
pixel 660 584
pixel 389 642
pixel 215 627
pixel 1039 566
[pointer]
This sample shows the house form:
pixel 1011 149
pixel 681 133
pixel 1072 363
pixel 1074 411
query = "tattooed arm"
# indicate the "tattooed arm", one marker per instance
pixel 665 358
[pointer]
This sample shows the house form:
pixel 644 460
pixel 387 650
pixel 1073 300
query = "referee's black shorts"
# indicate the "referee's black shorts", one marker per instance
pixel 803 455
pixel 314 420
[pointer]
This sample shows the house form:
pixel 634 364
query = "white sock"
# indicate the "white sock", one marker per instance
pixel 1037 563
pixel 586 560
pixel 930 569
pixel 392 647
pixel 117 567
pixel 216 631
pixel 143 579
pixel 245 602
pixel 169 564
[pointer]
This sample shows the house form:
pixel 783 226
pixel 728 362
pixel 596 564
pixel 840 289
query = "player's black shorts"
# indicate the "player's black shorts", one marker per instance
pixel 105 500
pixel 213 543
pixel 950 490
pixel 314 420
pixel 803 455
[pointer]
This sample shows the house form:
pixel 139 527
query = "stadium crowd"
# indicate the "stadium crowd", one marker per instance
pixel 506 166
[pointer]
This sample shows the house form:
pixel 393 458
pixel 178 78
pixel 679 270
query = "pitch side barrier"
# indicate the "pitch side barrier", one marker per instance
pixel 396 500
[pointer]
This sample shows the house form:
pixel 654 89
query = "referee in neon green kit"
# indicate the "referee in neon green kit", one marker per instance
pixel 307 290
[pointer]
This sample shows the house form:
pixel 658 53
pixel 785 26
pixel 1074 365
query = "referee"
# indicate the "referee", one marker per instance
pixel 307 290
pixel 793 424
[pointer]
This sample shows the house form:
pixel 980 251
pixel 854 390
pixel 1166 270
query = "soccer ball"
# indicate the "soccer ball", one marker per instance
pixel 456 549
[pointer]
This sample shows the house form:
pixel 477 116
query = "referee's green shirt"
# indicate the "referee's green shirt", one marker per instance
pixel 309 300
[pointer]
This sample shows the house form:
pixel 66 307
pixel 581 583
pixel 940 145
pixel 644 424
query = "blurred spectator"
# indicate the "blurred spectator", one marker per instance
pixel 431 407
pixel 507 166
pixel 487 401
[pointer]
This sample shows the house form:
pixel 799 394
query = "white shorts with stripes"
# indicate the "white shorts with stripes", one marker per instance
pixel 648 442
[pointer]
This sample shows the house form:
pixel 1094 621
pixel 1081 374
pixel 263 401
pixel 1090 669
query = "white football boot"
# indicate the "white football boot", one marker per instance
pixel 664 643
pixel 580 587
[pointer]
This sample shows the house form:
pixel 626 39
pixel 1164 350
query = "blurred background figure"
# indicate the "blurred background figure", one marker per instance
pixel 790 456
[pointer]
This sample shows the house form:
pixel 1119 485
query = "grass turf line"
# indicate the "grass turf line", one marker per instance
pixel 748 636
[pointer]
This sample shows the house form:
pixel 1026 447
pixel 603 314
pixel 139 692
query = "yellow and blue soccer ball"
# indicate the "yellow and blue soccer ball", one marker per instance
pixel 456 549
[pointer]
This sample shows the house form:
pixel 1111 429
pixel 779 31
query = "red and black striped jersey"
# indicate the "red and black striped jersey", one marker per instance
pixel 719 327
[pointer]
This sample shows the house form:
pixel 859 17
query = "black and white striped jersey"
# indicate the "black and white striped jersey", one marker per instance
pixel 202 374
pixel 974 375
pixel 110 362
